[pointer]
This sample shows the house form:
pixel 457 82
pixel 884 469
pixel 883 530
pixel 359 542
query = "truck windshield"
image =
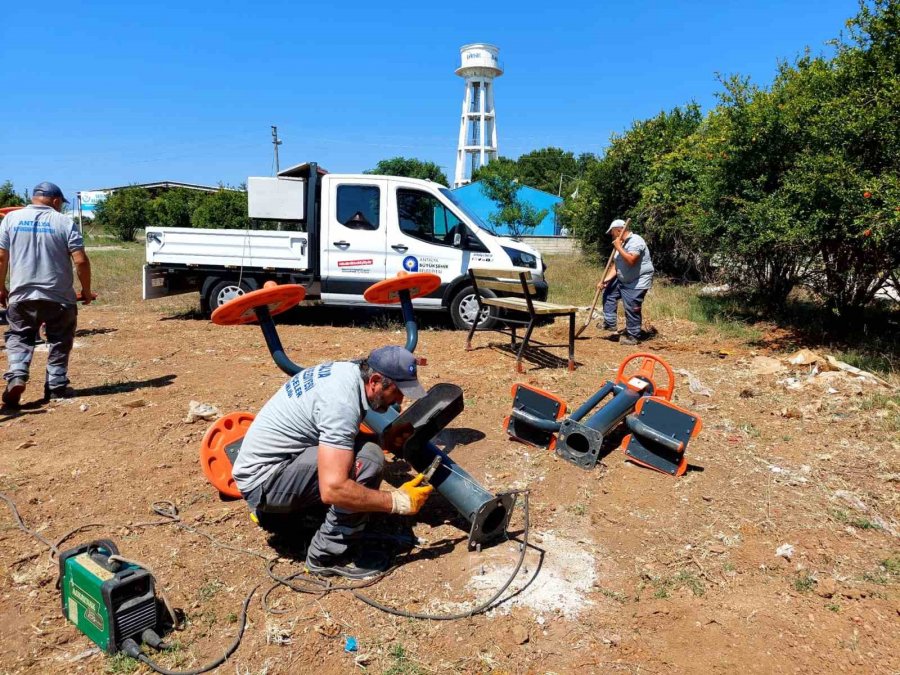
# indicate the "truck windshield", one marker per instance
pixel 467 211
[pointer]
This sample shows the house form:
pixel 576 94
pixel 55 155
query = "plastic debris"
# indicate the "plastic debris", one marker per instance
pixel 785 551
pixel 201 411
pixel 350 644
pixel 694 383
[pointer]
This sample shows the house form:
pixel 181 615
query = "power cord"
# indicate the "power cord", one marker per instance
pixel 299 582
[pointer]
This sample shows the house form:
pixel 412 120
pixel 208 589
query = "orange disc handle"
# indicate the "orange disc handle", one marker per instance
pixel 214 461
pixel 242 309
pixel 647 367
pixel 387 292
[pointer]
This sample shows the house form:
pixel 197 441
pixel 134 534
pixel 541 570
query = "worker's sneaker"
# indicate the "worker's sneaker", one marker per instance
pixel 13 392
pixel 58 393
pixel 628 340
pixel 367 564
pixel 608 327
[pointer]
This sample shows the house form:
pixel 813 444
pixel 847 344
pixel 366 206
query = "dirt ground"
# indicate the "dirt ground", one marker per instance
pixel 631 570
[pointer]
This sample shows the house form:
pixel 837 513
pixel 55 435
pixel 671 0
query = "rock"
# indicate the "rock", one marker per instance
pixel 201 411
pixel 785 551
pixel 853 593
pixel 26 445
pixel 826 588
pixel 519 634
pixel 766 365
pixel 134 403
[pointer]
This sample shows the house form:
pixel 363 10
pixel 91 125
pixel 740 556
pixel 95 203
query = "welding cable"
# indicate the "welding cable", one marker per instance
pixel 132 649
pixel 483 607
pixel 27 530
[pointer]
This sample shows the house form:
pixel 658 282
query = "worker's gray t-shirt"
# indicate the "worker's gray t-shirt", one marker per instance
pixel 640 275
pixel 322 404
pixel 40 242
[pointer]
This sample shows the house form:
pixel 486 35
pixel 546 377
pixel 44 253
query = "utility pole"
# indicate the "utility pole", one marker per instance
pixel 276 142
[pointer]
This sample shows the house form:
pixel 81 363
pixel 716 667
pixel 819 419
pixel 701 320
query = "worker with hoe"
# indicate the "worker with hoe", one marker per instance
pixel 39 244
pixel 303 455
pixel 629 280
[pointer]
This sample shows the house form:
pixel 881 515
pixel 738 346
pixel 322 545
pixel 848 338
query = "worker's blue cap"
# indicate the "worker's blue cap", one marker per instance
pixel 48 189
pixel 399 364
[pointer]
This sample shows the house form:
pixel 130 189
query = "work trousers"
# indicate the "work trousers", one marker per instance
pixel 25 319
pixel 294 489
pixel 632 301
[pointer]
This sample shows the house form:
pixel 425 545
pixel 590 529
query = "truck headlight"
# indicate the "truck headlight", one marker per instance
pixel 521 258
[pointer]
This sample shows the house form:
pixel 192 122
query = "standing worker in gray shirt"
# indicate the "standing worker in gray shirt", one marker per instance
pixel 39 244
pixel 629 279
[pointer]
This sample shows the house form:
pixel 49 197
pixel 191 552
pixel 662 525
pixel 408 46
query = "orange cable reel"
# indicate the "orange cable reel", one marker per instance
pixel 214 451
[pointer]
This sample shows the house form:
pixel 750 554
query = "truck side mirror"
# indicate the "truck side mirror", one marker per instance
pixel 457 240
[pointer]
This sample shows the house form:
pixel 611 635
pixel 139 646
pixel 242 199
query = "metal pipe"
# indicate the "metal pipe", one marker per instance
pixel 412 328
pixel 588 405
pixel 614 412
pixel 641 429
pixel 273 342
pixel 535 421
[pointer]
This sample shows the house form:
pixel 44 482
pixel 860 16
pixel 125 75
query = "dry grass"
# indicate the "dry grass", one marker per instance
pixel 573 280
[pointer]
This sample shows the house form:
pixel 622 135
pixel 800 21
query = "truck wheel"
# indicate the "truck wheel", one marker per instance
pixel 224 290
pixel 464 310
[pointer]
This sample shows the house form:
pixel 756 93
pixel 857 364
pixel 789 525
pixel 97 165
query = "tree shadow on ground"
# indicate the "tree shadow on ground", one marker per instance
pixel 87 332
pixel 125 387
pixel 870 342
pixel 378 318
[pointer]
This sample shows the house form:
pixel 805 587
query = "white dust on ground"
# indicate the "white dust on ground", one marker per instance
pixel 562 583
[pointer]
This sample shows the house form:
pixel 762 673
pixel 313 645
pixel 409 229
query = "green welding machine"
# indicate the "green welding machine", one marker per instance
pixel 109 600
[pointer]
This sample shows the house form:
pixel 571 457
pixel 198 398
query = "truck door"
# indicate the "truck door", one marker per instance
pixel 353 238
pixel 421 237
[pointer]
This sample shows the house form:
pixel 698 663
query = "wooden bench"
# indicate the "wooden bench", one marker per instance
pixel 519 297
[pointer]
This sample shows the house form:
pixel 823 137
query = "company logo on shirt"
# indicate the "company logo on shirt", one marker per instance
pixel 411 263
pixel 306 380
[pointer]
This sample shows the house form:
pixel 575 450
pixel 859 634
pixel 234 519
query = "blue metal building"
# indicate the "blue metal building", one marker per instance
pixel 473 196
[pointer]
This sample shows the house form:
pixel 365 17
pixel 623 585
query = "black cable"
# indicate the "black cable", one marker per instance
pixel 131 648
pixel 22 526
pixel 483 607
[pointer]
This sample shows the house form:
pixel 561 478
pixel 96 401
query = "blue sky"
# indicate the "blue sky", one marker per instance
pixel 124 92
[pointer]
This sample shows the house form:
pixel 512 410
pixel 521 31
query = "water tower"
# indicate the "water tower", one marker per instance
pixel 479 65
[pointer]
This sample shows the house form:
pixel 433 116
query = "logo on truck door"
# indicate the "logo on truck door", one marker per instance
pixel 411 263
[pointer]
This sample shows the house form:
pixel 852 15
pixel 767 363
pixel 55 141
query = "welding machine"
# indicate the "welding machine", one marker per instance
pixel 108 600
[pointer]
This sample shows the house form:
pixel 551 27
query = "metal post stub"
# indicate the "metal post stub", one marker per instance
pixel 530 402
pixel 491 520
pixel 660 433
pixel 579 444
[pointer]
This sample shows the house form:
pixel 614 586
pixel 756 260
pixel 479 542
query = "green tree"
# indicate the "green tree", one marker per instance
pixel 513 216
pixel 410 168
pixel 124 212
pixel 174 208
pixel 224 209
pixel 613 186
pixel 8 196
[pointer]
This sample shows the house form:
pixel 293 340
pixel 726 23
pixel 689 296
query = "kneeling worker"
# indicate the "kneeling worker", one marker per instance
pixel 302 452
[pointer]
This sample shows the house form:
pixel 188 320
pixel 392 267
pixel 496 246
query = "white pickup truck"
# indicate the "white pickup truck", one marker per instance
pixel 336 235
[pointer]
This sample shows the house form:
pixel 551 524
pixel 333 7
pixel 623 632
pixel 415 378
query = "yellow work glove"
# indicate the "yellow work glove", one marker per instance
pixel 410 497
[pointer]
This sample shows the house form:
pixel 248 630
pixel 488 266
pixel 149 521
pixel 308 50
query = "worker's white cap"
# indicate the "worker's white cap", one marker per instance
pixel 618 222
